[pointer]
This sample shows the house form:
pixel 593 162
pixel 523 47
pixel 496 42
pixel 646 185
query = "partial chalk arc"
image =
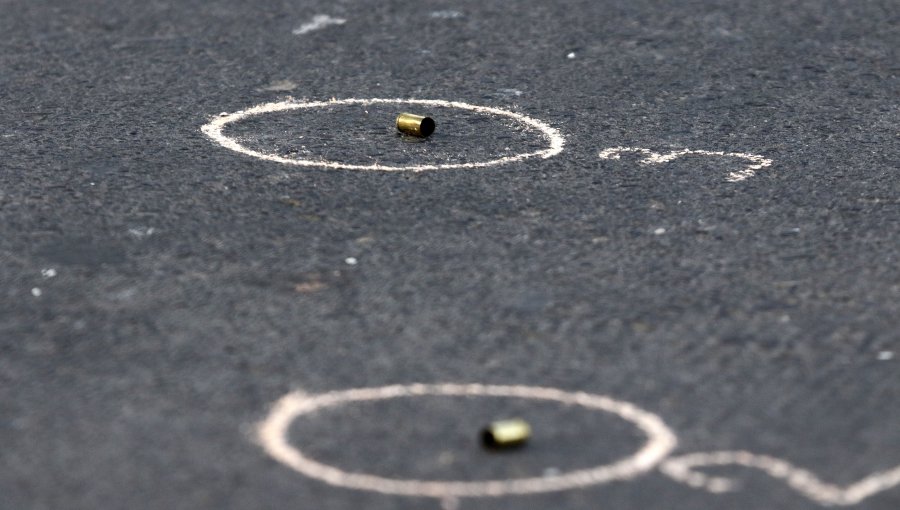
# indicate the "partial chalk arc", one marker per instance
pixel 272 434
pixel 755 161
pixel 684 469
pixel 215 130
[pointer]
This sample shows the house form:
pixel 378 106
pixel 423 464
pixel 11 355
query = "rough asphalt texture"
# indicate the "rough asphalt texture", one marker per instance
pixel 195 286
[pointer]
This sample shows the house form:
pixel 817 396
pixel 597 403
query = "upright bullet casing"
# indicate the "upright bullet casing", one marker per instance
pixel 415 125
pixel 506 433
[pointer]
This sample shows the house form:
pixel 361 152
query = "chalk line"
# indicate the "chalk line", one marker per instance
pixel 683 469
pixel 654 158
pixel 215 127
pixel 273 432
pixel 318 21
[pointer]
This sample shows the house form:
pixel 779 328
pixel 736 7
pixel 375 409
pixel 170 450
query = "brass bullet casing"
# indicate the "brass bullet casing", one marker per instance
pixel 415 125
pixel 506 434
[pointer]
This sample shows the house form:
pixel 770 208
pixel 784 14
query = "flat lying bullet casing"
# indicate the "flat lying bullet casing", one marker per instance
pixel 506 434
pixel 415 125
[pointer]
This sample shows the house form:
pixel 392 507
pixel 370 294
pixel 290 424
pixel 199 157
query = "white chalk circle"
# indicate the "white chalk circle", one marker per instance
pixel 274 430
pixel 214 129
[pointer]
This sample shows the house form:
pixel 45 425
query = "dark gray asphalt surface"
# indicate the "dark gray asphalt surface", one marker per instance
pixel 195 286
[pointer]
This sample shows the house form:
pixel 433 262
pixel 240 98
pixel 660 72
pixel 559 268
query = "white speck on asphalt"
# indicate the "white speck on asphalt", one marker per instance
pixel 571 55
pixel 140 232
pixel 660 231
pixel 319 21
pixel 36 292
pixel 48 273
pixel 885 355
pixel 351 261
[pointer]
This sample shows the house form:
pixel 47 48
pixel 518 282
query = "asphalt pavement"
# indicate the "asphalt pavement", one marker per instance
pixel 160 291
